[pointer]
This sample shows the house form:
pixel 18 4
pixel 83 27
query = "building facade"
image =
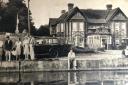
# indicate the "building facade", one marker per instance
pixel 95 28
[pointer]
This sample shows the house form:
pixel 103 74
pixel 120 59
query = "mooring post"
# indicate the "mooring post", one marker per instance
pixel 74 64
pixel 102 83
pixel 19 65
pixel 68 78
pixel 32 82
pixel 19 70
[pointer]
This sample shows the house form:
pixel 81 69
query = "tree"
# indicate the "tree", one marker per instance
pixel 43 31
pixel 9 17
pixel 33 29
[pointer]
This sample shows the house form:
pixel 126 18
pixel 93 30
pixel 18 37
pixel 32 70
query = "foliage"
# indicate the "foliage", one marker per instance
pixel 43 31
pixel 9 16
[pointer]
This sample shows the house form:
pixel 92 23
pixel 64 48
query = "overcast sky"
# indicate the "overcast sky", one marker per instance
pixel 42 10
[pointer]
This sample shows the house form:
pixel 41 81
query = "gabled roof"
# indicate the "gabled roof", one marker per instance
pixel 94 14
pixel 100 16
pixel 73 12
pixel 96 21
pixel 53 21
pixel 67 15
pixel 62 17
pixel 111 13
pixel 90 15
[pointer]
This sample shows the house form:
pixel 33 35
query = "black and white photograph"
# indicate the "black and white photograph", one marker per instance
pixel 63 42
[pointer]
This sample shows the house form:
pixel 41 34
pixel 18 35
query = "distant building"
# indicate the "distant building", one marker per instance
pixel 94 28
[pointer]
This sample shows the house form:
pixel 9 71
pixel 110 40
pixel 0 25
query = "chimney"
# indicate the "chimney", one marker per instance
pixel 70 6
pixel 63 11
pixel 109 6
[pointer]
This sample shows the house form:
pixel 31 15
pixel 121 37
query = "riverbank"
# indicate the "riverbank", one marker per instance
pixel 110 60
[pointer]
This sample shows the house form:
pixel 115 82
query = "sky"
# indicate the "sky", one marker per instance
pixel 42 10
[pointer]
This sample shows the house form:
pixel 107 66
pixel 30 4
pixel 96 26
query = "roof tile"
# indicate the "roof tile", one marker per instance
pixel 92 16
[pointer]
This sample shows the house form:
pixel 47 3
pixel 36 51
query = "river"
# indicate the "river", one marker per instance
pixel 66 78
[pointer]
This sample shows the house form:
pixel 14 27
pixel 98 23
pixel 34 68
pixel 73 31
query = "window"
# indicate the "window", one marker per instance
pixel 74 26
pixel 117 26
pixel 81 39
pixel 70 26
pixel 123 29
pixel 58 28
pixel 62 27
pixel 66 29
pixel 97 37
pixel 90 40
pixel 120 29
pixel 81 26
pixel 78 26
pixel 112 27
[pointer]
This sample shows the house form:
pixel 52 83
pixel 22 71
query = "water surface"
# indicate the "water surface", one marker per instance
pixel 66 78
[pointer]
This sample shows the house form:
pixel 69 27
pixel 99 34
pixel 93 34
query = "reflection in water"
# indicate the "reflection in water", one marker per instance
pixel 66 78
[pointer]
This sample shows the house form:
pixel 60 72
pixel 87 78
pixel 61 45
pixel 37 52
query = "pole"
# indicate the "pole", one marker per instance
pixel 17 22
pixel 19 81
pixel 29 29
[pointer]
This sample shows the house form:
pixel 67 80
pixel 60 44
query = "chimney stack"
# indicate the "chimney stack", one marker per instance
pixel 70 6
pixel 109 6
pixel 63 11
